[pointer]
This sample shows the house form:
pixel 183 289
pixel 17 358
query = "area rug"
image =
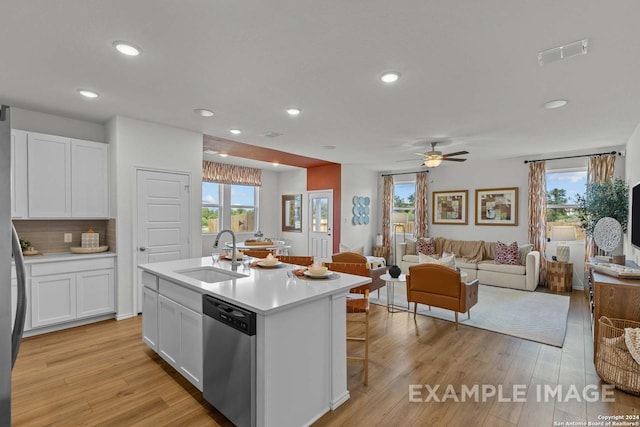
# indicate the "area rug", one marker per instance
pixel 534 316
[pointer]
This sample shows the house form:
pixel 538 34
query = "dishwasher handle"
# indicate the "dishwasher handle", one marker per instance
pixel 231 315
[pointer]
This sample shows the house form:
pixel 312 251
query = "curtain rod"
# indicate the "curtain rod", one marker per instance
pixel 403 173
pixel 571 157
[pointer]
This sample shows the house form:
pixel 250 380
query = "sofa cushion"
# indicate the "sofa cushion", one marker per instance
pixel 466 264
pixel 411 246
pixel 471 249
pixel 523 251
pixel 507 254
pixel 411 258
pixel 426 246
pixel 449 261
pixel 491 265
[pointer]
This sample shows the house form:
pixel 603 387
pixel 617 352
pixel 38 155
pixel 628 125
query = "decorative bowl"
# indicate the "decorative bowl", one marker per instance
pixel 317 270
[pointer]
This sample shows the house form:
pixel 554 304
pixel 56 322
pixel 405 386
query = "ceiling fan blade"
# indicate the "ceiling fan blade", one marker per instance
pixel 420 154
pixel 457 153
pixel 454 160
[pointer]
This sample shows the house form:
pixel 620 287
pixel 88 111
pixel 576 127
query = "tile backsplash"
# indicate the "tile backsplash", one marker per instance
pixel 47 236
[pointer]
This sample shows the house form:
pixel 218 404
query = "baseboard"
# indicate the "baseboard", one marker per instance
pixel 340 400
pixel 61 326
pixel 125 316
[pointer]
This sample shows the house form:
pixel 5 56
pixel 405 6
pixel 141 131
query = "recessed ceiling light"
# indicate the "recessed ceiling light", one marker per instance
pixel 203 112
pixel 88 93
pixel 293 111
pixel 235 131
pixel 223 154
pixel 329 147
pixel 211 151
pixel 556 103
pixel 275 164
pixel 390 77
pixel 127 48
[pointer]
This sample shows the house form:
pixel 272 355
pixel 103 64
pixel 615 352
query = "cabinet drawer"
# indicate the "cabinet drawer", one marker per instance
pixel 181 295
pixel 70 266
pixel 150 281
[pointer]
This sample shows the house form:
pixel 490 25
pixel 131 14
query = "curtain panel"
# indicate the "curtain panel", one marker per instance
pixel 387 200
pixel 230 174
pixel 538 213
pixel 420 223
pixel 600 170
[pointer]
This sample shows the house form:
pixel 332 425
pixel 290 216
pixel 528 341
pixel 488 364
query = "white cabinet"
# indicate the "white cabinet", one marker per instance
pixel 49 176
pixel 89 179
pixel 65 178
pixel 173 325
pixel 71 290
pixel 19 207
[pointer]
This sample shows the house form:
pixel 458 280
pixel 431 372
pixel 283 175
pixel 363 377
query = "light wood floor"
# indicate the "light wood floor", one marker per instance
pixel 103 374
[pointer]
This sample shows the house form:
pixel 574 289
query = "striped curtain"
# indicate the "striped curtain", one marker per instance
pixel 420 223
pixel 600 170
pixel 538 213
pixel 230 174
pixel 387 200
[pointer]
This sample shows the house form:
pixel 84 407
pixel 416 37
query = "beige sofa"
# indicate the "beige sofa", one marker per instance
pixel 476 258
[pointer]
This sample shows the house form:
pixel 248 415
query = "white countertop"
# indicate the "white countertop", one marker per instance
pixel 263 290
pixel 64 256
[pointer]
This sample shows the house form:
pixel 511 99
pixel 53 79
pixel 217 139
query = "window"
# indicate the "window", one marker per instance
pixel 229 206
pixel 404 202
pixel 562 188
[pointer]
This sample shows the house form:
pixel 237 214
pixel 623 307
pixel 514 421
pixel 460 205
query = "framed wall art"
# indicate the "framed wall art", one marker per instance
pixel 497 206
pixel 292 212
pixel 449 207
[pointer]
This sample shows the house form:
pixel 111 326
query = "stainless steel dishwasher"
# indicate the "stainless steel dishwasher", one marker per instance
pixel 229 380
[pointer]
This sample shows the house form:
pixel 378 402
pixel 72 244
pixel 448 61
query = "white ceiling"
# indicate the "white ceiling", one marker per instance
pixel 469 72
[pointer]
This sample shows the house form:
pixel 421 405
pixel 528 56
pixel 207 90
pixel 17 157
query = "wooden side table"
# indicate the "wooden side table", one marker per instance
pixel 378 251
pixel 560 276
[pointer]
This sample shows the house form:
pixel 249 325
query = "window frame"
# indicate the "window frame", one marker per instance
pixel 579 230
pixel 225 207
pixel 411 211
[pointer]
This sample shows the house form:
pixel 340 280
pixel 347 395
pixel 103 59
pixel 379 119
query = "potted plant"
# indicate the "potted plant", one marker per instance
pixel 607 199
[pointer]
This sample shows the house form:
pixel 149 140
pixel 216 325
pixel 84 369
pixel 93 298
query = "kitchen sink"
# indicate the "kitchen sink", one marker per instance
pixel 210 274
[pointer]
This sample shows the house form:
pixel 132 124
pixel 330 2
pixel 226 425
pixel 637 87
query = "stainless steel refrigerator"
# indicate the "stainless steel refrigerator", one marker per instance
pixel 10 329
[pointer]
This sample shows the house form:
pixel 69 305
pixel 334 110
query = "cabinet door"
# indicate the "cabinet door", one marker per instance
pixel 95 292
pixel 190 362
pixel 168 330
pixel 89 179
pixel 19 208
pixel 53 299
pixel 49 176
pixel 150 317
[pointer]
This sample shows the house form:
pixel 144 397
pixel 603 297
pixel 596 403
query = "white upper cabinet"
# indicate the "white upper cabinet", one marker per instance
pixel 49 166
pixel 65 178
pixel 89 179
pixel 19 207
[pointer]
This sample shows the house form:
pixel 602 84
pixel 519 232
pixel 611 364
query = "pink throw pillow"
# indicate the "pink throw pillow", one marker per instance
pixel 426 246
pixel 507 254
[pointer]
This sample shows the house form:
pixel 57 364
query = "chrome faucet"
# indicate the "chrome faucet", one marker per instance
pixel 234 261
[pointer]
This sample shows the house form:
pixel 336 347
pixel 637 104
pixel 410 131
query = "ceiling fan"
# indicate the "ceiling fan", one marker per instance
pixel 434 157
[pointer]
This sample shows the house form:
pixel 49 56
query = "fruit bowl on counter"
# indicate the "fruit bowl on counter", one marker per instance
pixel 81 250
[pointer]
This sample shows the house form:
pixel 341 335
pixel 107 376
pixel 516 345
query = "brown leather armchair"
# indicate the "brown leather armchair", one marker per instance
pixel 440 286
pixel 354 258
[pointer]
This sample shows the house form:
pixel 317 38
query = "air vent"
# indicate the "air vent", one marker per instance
pixel 563 52
pixel 272 134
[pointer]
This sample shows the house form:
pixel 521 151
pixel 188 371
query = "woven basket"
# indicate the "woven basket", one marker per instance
pixel 614 363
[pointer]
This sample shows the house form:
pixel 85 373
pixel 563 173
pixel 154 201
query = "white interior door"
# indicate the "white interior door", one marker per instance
pixel 162 220
pixel 321 224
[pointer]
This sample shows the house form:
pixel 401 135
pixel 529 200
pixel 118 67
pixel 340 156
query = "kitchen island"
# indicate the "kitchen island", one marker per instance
pixel 300 331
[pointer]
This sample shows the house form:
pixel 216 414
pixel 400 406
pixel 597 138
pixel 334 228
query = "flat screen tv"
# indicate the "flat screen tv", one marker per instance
pixel 635 215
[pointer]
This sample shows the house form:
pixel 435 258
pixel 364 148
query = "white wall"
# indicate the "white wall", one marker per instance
pixel 56 125
pixel 136 143
pixel 358 181
pixel 632 173
pixel 294 182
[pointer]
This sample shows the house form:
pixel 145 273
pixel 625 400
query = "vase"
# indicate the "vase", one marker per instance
pixel 394 271
pixel 563 252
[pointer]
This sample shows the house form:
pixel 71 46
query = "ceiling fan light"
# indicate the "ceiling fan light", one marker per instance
pixel 432 162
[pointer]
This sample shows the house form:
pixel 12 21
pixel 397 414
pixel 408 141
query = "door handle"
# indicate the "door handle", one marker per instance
pixel 142 249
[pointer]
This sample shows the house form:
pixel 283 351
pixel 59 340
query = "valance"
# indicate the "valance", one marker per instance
pixel 230 174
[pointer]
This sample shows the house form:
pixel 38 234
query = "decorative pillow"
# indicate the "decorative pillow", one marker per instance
pixel 507 254
pixel 523 252
pixel 358 250
pixel 426 246
pixel 449 261
pixel 411 246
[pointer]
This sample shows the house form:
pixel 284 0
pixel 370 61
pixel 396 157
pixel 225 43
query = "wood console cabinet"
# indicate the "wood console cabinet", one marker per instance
pixel 613 297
